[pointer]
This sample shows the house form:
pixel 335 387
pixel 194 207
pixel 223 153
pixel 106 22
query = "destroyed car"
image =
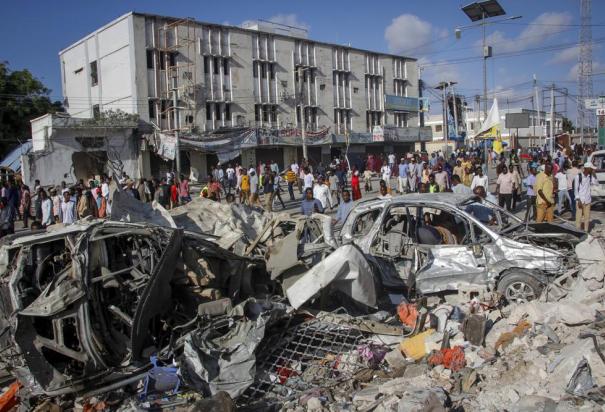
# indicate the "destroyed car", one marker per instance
pixel 433 243
pixel 85 306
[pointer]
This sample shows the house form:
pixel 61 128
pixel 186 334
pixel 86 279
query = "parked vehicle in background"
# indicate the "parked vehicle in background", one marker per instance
pixel 597 158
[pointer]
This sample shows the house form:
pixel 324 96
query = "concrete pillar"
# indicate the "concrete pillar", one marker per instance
pixel 248 157
pixel 144 164
pixel 289 156
pixel 199 162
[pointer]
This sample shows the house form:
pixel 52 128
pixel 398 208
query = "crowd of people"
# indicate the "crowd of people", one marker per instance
pixel 552 183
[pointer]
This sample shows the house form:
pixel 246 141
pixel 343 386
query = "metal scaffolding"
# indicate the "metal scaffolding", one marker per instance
pixel 177 47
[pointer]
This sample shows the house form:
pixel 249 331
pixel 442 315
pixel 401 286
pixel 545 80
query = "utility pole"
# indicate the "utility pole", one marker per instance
pixel 443 87
pixel 552 120
pixel 177 144
pixel 301 73
pixel 485 56
pixel 585 87
pixel 538 110
pixel 455 106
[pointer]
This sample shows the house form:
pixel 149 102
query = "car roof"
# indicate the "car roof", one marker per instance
pixel 448 198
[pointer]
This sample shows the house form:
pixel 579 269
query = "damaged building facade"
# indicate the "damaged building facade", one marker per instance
pixel 263 78
pixel 68 149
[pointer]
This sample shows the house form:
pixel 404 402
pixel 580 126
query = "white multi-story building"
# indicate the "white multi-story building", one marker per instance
pixel 233 77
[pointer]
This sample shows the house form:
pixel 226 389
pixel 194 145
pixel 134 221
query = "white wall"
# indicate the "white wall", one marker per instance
pixel 111 47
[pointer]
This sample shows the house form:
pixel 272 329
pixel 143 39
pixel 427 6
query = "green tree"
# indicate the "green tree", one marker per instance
pixel 22 98
pixel 567 125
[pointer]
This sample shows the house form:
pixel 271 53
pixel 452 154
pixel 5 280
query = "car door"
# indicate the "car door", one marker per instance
pixel 448 266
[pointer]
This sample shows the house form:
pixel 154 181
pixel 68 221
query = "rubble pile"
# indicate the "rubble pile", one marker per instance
pixel 136 316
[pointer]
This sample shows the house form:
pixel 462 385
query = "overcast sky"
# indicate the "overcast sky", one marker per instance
pixel 543 42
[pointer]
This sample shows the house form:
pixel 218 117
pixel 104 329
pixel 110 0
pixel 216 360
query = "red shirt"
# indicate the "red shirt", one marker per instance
pixel 174 193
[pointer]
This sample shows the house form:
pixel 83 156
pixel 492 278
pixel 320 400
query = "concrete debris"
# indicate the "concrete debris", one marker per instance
pixel 221 307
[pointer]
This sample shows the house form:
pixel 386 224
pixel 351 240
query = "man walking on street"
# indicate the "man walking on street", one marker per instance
pixel 385 171
pixel 268 189
pixel 530 182
pixel 504 189
pixel 545 206
pixel 562 191
pixel 402 177
pixel 571 177
pixel 442 179
pixel 413 175
pixel 277 188
pixel 582 185
pixel 291 178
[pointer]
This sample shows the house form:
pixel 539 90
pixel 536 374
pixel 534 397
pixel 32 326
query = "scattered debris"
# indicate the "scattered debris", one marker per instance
pixel 221 307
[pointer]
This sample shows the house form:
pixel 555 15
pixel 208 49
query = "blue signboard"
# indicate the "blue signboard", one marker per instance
pixel 401 103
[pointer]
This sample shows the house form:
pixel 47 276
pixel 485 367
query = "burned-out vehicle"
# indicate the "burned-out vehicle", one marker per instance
pixel 434 243
pixel 85 306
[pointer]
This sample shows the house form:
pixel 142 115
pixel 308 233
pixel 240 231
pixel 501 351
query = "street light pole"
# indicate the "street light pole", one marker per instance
pixel 301 73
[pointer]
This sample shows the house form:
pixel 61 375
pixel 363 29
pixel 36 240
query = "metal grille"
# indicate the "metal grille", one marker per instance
pixel 294 358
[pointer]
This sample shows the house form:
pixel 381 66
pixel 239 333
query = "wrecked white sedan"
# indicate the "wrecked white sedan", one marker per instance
pixel 430 243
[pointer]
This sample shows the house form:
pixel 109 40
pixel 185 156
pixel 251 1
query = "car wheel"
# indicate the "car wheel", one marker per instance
pixel 519 286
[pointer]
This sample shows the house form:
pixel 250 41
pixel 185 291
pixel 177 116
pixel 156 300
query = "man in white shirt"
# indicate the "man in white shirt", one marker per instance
pixel 385 171
pixel 321 192
pixel 308 180
pixel 459 188
pixel 479 180
pixel 562 192
pixel 504 189
pixel 582 185
pixel 392 159
pixel 230 178
pixel 571 176
pixel 413 175
pixel 68 209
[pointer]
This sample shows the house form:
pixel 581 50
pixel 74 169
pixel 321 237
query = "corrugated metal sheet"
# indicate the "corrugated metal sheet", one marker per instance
pixel 13 160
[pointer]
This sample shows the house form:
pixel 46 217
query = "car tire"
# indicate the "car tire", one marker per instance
pixel 519 285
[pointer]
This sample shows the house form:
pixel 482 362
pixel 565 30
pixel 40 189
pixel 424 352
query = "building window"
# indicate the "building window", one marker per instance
pixel 216 65
pixel 265 114
pixel 172 59
pixel 274 114
pixel 226 67
pixel 217 111
pixel 272 70
pixel 255 70
pixel 206 67
pixel 150 59
pixel 438 128
pixel 163 108
pixel 264 70
pixel 94 76
pixel 96 111
pixel 162 60
pixel 189 119
pixel 152 112
pixel 228 112
pixel 208 111
pixel 257 110
pixel 355 90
